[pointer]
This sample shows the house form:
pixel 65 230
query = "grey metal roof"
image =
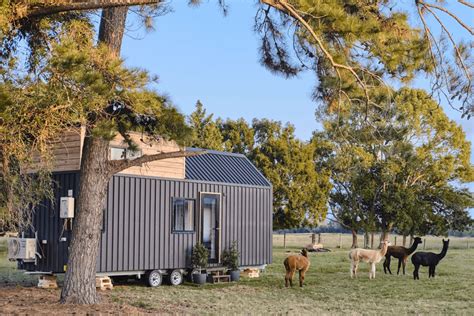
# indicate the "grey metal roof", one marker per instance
pixel 223 167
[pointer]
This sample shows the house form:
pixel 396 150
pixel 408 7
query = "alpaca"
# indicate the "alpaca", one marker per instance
pixel 369 256
pixel 401 253
pixel 429 259
pixel 296 262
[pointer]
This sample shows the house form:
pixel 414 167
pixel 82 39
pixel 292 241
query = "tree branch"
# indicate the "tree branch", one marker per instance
pixel 119 165
pixel 285 7
pixel 51 7
pixel 449 13
pixel 466 3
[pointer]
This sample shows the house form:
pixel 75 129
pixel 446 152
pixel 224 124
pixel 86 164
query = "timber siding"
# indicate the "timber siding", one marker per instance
pixel 136 232
pixel 67 152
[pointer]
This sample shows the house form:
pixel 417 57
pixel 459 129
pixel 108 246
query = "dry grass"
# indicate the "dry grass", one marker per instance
pixel 328 288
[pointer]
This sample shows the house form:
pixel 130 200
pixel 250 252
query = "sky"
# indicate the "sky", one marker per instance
pixel 200 54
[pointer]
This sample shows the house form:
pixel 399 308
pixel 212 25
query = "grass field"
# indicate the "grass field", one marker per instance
pixel 328 288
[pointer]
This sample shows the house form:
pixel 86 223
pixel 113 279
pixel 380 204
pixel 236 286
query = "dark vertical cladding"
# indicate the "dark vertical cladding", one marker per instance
pixel 137 230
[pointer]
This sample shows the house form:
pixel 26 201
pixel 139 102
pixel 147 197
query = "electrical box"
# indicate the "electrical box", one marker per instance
pixel 22 248
pixel 66 208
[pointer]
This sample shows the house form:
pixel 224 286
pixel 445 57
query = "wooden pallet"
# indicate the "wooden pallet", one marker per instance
pixel 250 273
pixel 103 283
pixel 47 282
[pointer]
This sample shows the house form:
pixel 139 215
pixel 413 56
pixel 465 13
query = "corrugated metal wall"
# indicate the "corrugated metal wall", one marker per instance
pixel 137 224
pixel 50 227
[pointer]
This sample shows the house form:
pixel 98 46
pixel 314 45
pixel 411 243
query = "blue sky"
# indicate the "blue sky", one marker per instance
pixel 200 54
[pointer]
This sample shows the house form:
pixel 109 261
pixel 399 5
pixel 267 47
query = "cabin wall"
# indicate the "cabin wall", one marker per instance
pixel 136 232
pixel 167 168
pixel 67 152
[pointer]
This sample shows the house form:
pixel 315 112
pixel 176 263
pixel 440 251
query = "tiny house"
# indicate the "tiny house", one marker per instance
pixel 156 213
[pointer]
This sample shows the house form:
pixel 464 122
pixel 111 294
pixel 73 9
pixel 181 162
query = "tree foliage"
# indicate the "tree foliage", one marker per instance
pixel 395 167
pixel 299 191
pixel 77 84
pixel 205 132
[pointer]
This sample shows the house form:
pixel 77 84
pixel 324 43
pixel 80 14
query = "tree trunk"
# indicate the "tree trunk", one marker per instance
pixel 384 236
pixel 355 244
pixel 112 26
pixel 10 194
pixel 372 240
pixel 79 283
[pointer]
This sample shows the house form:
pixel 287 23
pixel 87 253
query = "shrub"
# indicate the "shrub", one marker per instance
pixel 230 257
pixel 199 257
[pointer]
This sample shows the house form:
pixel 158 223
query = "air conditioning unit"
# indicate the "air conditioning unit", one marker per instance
pixel 22 248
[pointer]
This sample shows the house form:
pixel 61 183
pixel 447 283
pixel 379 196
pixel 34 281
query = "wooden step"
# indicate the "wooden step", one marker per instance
pixel 220 278
pixel 103 283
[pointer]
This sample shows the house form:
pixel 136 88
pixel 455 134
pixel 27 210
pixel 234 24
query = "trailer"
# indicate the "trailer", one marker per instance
pixel 152 221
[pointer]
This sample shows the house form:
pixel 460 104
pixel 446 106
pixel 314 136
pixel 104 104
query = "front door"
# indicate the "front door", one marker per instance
pixel 210 224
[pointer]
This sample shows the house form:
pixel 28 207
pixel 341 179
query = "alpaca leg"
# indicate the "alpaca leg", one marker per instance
pixel 399 266
pixel 386 265
pixel 355 265
pixel 373 270
pixel 415 272
pixel 292 273
pixel 287 277
pixel 353 269
pixel 301 278
pixel 434 269
pixel 404 263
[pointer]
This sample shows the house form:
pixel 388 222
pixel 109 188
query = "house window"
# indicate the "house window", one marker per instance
pixel 183 215
pixel 118 153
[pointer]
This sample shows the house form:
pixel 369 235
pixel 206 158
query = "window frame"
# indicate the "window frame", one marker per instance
pixel 173 216
pixel 136 154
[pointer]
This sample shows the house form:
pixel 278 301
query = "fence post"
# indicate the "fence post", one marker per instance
pixel 313 238
pixel 424 243
pixel 340 241
pixel 395 240
pixel 284 240
pixel 319 238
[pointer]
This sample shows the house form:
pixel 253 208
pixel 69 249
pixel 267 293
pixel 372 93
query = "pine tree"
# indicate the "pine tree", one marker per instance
pixel 205 132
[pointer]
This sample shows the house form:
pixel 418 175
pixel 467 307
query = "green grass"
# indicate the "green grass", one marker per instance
pixel 328 289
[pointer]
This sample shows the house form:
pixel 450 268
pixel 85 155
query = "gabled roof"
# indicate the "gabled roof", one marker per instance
pixel 223 167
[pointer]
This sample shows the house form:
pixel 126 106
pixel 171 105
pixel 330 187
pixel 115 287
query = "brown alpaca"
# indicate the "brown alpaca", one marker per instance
pixel 294 263
pixel 401 253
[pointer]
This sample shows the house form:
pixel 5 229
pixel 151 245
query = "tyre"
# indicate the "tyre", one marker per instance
pixel 153 278
pixel 176 277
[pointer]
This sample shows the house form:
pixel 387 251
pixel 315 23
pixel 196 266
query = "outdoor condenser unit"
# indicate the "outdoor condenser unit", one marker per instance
pixel 22 248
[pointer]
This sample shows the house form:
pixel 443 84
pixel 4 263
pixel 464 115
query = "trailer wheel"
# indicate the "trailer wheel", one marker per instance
pixel 154 278
pixel 176 277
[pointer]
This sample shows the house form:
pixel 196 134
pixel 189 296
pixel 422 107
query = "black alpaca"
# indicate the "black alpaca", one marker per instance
pixel 401 253
pixel 428 259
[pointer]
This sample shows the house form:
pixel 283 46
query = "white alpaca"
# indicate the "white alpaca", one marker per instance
pixel 369 256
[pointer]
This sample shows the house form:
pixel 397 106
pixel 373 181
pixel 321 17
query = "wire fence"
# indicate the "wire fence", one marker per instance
pixel 344 241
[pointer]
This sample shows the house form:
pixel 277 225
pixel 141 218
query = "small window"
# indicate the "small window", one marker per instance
pixel 183 215
pixel 118 153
